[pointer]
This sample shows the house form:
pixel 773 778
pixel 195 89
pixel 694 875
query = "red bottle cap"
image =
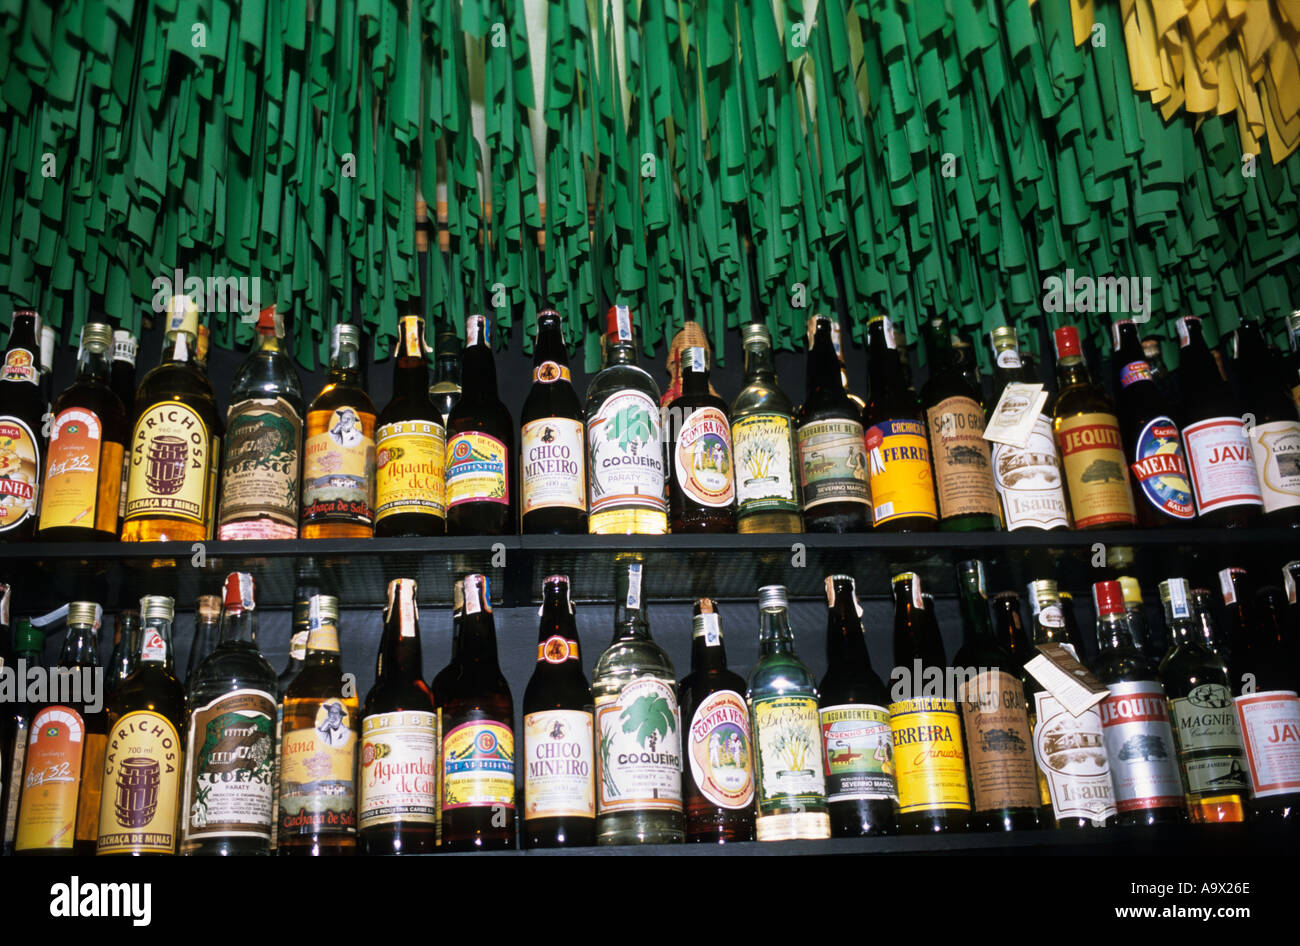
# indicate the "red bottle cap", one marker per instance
pixel 239 592
pixel 1067 342
pixel 618 323
pixel 1109 597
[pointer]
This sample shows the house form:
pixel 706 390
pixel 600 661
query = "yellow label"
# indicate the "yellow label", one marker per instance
pixel 170 460
pixel 478 765
pixel 559 769
pixel 48 815
pixel 1096 471
pixel 338 467
pixel 141 789
pixel 82 471
pixel 898 458
pixel 409 458
pixel 929 760
pixel 477 469
pixel 317 767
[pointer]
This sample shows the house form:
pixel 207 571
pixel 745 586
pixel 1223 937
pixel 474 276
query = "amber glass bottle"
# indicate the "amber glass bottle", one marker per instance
pixel 701 489
pixel 552 440
pixel 480 445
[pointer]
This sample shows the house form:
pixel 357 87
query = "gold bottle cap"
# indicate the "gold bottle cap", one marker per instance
pixel 157 606
pixel 1132 591
pixel 322 609
pixel 1004 338
pixel 84 612
pixel 98 335
pixel 208 607
pixel 1042 594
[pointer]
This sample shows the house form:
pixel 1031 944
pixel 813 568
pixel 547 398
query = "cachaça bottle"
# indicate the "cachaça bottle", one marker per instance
pixel 230 737
pixel 1270 608
pixel 122 381
pixel 559 727
pixel 1291 582
pixel 410 446
pixel 625 457
pixel 701 490
pixel 83 473
pixel 1218 447
pixel 832 459
pixel 22 442
pixel 297 658
pixel 338 456
pixel 861 791
pixel 1275 431
pixel 1010 635
pixel 478 737
pixel 836 342
pixel 552 440
pixel 763 443
pixel 1200 700
pixel 318 801
pixel 954 413
pixel 1089 440
pixel 789 778
pixel 930 763
pixel 207 633
pixel 139 800
pixel 1144 635
pixel 438 687
pixel 29 644
pixel 1160 373
pixel 65 753
pixel 260 474
pixel 1292 366
pixel 396 801
pixel 898 452
pixel 1028 479
pixel 175 441
pixel 480 445
pixel 638 727
pixel 445 390
pixel 1135 721
pixel 1051 624
pixel 718 781
pixel 1151 443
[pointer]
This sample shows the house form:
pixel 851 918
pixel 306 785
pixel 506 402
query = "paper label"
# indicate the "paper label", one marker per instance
pixel 229 763
pixel 338 478
pixel 48 816
pixel 998 742
pixel 1223 467
pixel 19 485
pixel 1028 481
pixel 1270 730
pixel 170 459
pixel 548 372
pixel 702 458
pixel 1209 746
pixel 553 470
pixel 899 463
pixel 962 470
pixel 788 736
pixel 1275 448
pixel 409 458
pixel 627 463
pixel 559 773
pixel 1071 754
pixel 639 759
pixel 397 775
pixel 1140 746
pixel 142 786
pixel 478 766
pixel 719 748
pixel 20 364
pixel 928 755
pixel 260 476
pixel 82 475
pixel 859 759
pixel 476 469
pixel 1133 372
pixel 1160 471
pixel 1015 414
pixel 317 774
pixel 1096 471
pixel 833 463
pixel 763 446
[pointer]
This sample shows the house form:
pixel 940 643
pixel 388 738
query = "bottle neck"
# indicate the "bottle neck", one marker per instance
pixel 707 649
pixel 93 365
pixel 1071 371
pixel 846 643
pixel 1114 635
pixel 759 363
pixel 695 383
pixel 884 370
pixel 156 643
pixel 975 610
pixel 550 344
pixel 239 626
pixel 479 371
pixel 478 639
pixel 80 647
pixel 179 348
pixel 345 366
pixel 1129 348
pixel 447 368
pixel 619 352
pixel 630 618
pixel 400 656
pixel 774 634
pixel 824 366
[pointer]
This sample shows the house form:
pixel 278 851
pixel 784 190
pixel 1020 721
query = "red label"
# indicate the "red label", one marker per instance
pixel 1091 437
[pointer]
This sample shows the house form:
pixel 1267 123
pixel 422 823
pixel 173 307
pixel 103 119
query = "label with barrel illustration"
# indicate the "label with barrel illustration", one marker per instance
pixel 81 475
pixel 962 470
pixel 317 785
pixel 397 776
pixel 230 753
pixel 1096 471
pixel 170 459
pixel 142 786
pixel 338 467
pixel 260 476
pixel 19 486
pixel 833 463
pixel 409 458
pixel 49 792
pixel 762 445
pixel 477 469
pixel 719 749
pixel 702 458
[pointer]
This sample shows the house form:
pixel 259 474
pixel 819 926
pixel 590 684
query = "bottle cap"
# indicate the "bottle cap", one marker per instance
pixel 28 637
pixel 270 321
pixel 98 335
pixel 1004 338
pixel 1131 590
pixel 1042 594
pixel 755 333
pixel 1108 597
pixel 239 590
pixel 159 607
pixel 1175 596
pixel 208 607
pixel 344 335
pixel 1003 597
pixel 618 323
pixel 771 597
pixel 1066 339
pixel 972 569
pixel 84 612
pixel 322 609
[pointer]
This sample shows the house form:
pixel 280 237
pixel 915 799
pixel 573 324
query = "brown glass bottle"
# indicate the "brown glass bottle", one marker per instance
pixel 22 443
pixel 1275 433
pixel 480 445
pixel 701 488
pixel 552 441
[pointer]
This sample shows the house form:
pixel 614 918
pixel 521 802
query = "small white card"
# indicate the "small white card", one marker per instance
pixel 1012 421
pixel 1061 674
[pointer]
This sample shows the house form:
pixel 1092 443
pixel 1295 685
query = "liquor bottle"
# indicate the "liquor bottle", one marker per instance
pixel 126 648
pixel 297 659
pixel 29 644
pixel 861 791
pixel 638 728
pixel 1292 368
pixel 763 442
pixel 718 782
pixel 836 343
pixel 832 461
pixel 175 442
pixel 122 381
pixel 1270 608
pixel 65 754
pixel 410 446
pixel 1010 635
pixel 559 723
pixel 964 360
pixel 1135 721
pixel 625 460
pixel 480 445
pixel 1218 447
pixel 139 802
pixel 1152 447
pixel 1160 374
pixel 1275 433
pixel 478 738
pixel 1144 635
pixel 318 801
pixel 1028 479
pixel 789 778
pixel 83 473
pixel 1071 623
pixel 691 334
pixel 902 487
pixel 438 687
pixel 954 413
pixel 207 633
pixel 1207 632
pixel 701 490
pixel 9 715
pixel 338 456
pixel 552 440
pixel 1291 582
pixel 1051 626
pixel 1200 701
pixel 22 444
pixel 1089 441
pixel 396 804
pixel 445 390
pixel 48 338
pixel 260 474
pixel 230 733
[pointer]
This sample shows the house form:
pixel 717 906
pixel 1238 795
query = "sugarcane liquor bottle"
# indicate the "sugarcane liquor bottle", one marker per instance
pixel 1275 433
pixel 22 443
pixel 552 440
pixel 207 632
pixel 481 476
pixel 763 442
pixel 701 490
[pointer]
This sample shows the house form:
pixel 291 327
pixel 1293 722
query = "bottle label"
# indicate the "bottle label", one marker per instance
pixel 859 753
pixel 142 786
pixel 901 484
pixel 962 470
pixel 552 465
pixel 476 469
pixel 153 649
pixel 762 444
pixel 790 778
pixel 1160 470
pixel 1223 468
pixel 999 742
pixel 702 458
pixel 1008 358
pixel 548 372
pixel 20 365
pixel 18 473
pixel 338 475
pixel 317 785
pixel 1270 730
pixel 559 778
pixel 397 777
pixel 1133 372
pixel 48 816
pixel 260 473
pixel 409 458
pixel 1096 471
pixel 1071 754
pixel 82 475
pixel 1140 746
pixel 478 766
pixel 1275 448
pixel 170 465
pixel 1028 479
pixel 832 463
pixel 719 750
pixel 627 464
pixel 230 758
pixel 639 762
pixel 929 759
pixel 556 650
pixel 124 347
pixel 1209 745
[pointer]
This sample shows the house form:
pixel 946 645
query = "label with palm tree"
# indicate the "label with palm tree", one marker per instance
pixel 627 460
pixel 638 757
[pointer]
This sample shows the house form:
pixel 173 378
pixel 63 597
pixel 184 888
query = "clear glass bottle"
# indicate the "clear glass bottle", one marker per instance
pixel 763 442
pixel 126 648
pixel 207 633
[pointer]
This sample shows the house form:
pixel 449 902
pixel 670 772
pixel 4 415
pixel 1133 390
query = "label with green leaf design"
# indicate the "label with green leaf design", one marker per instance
pixel 230 759
pixel 638 751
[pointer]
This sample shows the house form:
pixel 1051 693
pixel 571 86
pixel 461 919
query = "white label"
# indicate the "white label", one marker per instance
pixel 559 770
pixel 1226 586
pixel 1017 411
pixel 627 463
pixel 1184 336
pixel 640 763
pixel 623 318
pixel 634 586
pixel 708 629
pixel 1140 746
pixel 154 648
pixel 124 346
pixel 1071 754
pixel 1276 450
pixel 397 775
pixel 702 458
pixel 475 327
pixel 552 464
pixel 1222 466
pixel 1029 482
pixel 1064 677
pixel 695 359
pixel 1288 581
pixel 1270 731
pixel 1010 358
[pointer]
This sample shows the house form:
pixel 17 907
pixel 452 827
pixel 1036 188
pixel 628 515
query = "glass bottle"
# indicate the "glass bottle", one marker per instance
pixel 126 648
pixel 22 443
pixel 48 338
pixel 29 644
pixel 207 633
pixel 701 489
pixel 1160 374
pixel 1144 635
pixel 297 658
pixel 1208 633
pixel 438 686
pixel 480 445
pixel 836 343
pixel 445 391
pixel 1275 431
pixel 122 381
pixel 552 440
pixel 763 443
pixel 1291 370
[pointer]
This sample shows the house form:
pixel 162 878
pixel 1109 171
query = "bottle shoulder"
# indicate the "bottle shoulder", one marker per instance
pixel 226 669
pixel 616 379
pixel 781 675
pixel 267 375
pixel 760 397
pixel 390 696
pixel 336 394
pixel 628 658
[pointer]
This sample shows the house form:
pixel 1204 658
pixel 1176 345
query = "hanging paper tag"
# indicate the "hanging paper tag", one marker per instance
pixel 1012 421
pixel 1061 674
